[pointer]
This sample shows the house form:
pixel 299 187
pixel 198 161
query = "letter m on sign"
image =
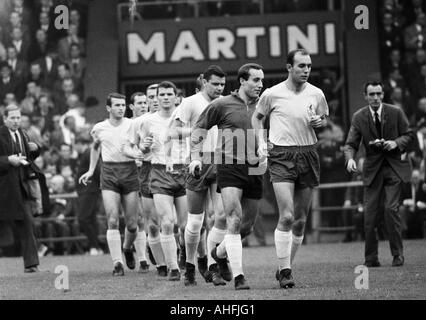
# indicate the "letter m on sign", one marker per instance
pixel 138 48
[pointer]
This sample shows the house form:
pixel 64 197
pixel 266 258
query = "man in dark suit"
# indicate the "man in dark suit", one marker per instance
pixel 15 192
pixel 8 83
pixel 385 134
pixel 49 64
pixel 19 66
pixel 21 44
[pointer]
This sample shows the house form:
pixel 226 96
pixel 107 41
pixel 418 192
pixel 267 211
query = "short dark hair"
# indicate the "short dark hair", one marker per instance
pixel 213 70
pixel 114 95
pixel 10 108
pixel 292 54
pixel 166 85
pixel 152 86
pixel 136 94
pixel 372 83
pixel 244 70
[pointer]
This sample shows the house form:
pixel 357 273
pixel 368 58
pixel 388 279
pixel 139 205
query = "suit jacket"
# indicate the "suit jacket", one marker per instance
pixel 13 86
pixel 14 188
pixel 21 69
pixel 37 50
pixel 24 50
pixel 77 70
pixel 394 125
pixel 50 76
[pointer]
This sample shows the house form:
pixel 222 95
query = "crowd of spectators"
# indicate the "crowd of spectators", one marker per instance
pixel 42 70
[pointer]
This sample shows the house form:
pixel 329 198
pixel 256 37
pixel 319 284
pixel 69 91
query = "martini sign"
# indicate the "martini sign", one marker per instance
pixel 167 47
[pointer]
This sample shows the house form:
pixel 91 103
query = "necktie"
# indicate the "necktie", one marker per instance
pixel 377 123
pixel 18 145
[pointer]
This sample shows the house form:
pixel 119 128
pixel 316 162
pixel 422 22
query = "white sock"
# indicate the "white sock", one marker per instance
pixel 192 235
pixel 234 249
pixel 157 250
pixel 201 249
pixel 129 238
pixel 215 237
pixel 114 244
pixel 168 243
pixel 283 242
pixel 295 244
pixel 140 246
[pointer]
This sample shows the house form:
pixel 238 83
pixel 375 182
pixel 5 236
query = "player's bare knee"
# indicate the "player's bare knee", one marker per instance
pixel 220 220
pixel 131 226
pixel 234 222
pixel 113 223
pixel 167 227
pixel 141 222
pixel 286 221
pixel 220 216
pixel 299 226
pixel 153 230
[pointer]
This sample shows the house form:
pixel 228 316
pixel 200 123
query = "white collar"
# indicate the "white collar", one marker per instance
pixel 12 134
pixel 379 111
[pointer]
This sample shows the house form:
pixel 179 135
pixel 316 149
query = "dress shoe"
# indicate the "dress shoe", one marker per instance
pixel 372 264
pixel 398 261
pixel 31 269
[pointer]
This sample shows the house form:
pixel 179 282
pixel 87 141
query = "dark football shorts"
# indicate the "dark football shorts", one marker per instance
pixel 120 177
pixel 207 177
pixel 297 164
pixel 144 177
pixel 237 175
pixel 168 183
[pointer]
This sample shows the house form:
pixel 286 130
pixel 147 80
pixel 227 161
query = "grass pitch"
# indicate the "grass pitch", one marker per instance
pixel 323 271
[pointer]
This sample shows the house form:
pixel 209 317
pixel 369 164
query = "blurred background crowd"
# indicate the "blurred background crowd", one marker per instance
pixel 42 69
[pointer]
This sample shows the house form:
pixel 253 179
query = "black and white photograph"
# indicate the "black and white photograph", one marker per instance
pixel 208 157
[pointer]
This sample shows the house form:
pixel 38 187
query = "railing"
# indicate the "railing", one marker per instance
pixel 72 195
pixel 317 227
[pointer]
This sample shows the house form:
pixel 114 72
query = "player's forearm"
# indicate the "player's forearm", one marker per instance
pixel 257 123
pixel 94 158
pixel 198 136
pixel 129 151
